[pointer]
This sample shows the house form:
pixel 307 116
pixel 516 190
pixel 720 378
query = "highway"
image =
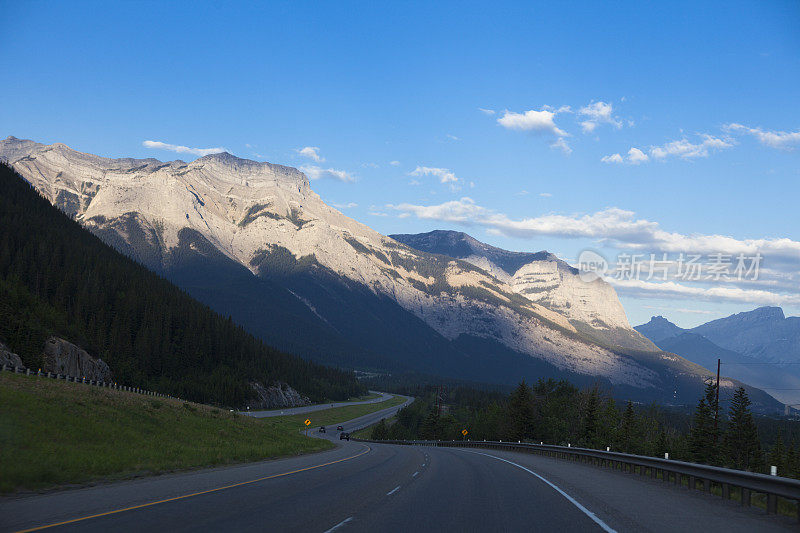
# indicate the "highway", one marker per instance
pixel 380 487
pixel 316 407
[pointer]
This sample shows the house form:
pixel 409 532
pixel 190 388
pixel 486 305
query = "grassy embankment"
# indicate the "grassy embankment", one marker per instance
pixel 56 433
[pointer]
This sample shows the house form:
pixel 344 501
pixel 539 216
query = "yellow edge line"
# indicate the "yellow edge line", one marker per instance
pixel 39 528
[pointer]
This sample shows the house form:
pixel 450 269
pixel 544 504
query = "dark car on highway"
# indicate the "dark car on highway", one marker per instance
pixel 344 436
pixel 339 428
pixel 322 429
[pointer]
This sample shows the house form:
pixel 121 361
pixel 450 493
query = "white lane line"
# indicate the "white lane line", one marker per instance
pixel 415 474
pixel 393 490
pixel 572 500
pixel 340 524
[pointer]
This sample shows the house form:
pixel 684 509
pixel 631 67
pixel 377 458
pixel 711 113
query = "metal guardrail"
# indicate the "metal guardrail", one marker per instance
pixel 72 379
pixel 668 470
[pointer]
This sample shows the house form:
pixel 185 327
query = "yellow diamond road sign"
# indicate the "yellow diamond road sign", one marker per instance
pixel 308 421
pixel 464 432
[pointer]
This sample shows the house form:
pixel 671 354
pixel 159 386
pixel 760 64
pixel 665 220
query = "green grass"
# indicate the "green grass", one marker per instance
pixel 55 433
pixel 338 414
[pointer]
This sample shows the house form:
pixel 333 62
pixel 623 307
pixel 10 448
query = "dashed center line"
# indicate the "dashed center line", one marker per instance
pixel 415 474
pixel 393 490
pixel 340 524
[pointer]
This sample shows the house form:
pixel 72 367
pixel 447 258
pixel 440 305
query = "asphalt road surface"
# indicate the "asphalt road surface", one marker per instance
pixel 311 408
pixel 378 487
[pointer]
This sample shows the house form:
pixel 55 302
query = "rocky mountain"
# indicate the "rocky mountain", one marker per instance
pixel 593 308
pixel 764 333
pixel 254 241
pixel 659 328
pixel 759 347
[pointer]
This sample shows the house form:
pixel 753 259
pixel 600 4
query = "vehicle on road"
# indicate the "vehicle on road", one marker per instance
pixel 344 436
pixel 339 428
pixel 322 429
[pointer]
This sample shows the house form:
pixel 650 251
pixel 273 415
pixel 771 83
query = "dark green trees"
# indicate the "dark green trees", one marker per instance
pixel 58 279
pixel 741 439
pixel 704 435
pixel 520 413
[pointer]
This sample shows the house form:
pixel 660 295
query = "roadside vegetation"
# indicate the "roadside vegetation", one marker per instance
pixel 556 412
pixel 340 414
pixel 54 433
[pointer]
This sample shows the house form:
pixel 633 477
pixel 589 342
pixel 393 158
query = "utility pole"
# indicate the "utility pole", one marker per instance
pixel 716 402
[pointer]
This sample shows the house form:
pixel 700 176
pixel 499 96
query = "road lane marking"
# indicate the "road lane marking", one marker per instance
pixel 340 524
pixel 572 500
pixel 415 474
pixel 98 515
pixel 393 490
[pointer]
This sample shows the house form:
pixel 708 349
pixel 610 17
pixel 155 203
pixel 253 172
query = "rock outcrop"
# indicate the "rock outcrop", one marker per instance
pixel 63 357
pixel 7 357
pixel 276 396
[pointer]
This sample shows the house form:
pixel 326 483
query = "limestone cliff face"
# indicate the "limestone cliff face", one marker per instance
pixel 276 396
pixel 9 358
pixel 268 219
pixel 63 357
pixel 591 307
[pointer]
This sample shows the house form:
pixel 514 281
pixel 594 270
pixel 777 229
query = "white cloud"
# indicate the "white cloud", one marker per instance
pixel 780 140
pixel 394 163
pixel 316 173
pixel 445 175
pixel 453 137
pixel 311 152
pixel 634 157
pixel 545 195
pixel 613 158
pixel 533 121
pixel 486 111
pixel 688 150
pixel 613 225
pixel 158 145
pixel 682 148
pixel 620 229
pixel 369 165
pixel 671 289
pixel 598 113
pixel 349 205
pixel 561 144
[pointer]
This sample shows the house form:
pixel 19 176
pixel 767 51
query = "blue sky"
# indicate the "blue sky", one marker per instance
pixel 501 120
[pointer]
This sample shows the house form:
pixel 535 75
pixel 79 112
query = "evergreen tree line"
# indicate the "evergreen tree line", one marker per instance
pixel 58 279
pixel 556 412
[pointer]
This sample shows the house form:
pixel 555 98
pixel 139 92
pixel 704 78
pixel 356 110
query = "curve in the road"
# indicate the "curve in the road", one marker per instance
pixel 316 407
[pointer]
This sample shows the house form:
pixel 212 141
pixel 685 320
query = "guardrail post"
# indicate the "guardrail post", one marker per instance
pixel 707 485
pixel 745 497
pixel 726 491
pixel 691 482
pixel 772 504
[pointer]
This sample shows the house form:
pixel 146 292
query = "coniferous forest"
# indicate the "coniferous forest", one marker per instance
pixel 58 279
pixel 557 412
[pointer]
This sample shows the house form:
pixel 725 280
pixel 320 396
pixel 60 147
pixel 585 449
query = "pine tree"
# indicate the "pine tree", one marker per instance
pixel 380 431
pixel 627 428
pixel 777 455
pixel 741 438
pixel 701 435
pixel 590 420
pixel 520 413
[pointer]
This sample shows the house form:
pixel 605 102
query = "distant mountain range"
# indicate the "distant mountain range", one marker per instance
pixel 761 347
pixel 254 241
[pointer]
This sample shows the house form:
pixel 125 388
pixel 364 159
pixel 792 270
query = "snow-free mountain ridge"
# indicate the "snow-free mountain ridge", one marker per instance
pixel 253 240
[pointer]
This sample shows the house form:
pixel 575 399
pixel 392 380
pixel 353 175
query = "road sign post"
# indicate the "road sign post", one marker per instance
pixel 464 432
pixel 307 423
